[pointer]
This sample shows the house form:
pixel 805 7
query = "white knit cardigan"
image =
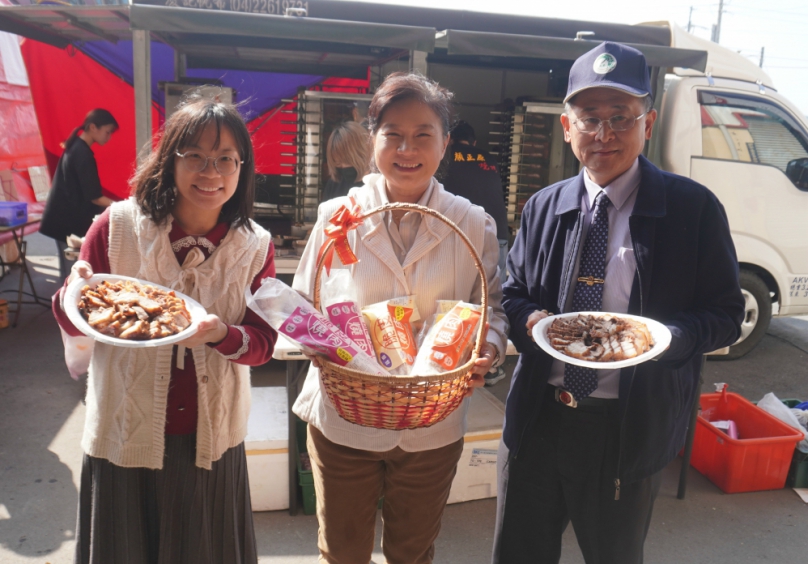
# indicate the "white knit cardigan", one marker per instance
pixel 128 387
pixel 437 267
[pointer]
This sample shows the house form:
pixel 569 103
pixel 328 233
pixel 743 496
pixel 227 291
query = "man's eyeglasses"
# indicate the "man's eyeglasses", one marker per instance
pixel 616 123
pixel 194 161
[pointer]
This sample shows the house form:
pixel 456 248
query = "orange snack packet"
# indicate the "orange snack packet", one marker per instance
pixel 389 323
pixel 448 343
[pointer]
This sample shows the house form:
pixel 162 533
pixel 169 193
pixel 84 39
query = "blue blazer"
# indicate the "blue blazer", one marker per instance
pixel 686 278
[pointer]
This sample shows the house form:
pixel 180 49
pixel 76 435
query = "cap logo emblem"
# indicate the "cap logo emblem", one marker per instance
pixel 604 64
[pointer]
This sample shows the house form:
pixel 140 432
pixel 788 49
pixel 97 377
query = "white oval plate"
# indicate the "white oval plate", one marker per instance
pixel 73 296
pixel 660 334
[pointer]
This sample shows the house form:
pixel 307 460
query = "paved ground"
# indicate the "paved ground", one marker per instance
pixel 41 418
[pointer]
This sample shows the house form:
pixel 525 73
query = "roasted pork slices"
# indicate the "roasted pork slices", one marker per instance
pixel 599 338
pixel 128 310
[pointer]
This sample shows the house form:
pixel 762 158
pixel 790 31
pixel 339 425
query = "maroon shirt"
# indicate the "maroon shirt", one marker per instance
pixel 182 408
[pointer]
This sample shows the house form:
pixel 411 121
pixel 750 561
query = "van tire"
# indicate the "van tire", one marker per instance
pixel 757 316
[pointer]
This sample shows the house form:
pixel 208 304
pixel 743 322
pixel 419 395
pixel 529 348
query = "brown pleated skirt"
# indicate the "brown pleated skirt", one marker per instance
pixel 178 515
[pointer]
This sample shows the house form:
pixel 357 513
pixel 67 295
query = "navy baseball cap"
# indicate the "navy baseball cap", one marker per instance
pixel 610 65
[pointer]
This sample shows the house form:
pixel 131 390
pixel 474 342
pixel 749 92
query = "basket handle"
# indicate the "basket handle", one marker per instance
pixel 397 206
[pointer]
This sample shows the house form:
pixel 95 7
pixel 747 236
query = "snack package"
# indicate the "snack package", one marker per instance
pixel 338 297
pixel 289 313
pixel 390 325
pixel 448 343
pixel 424 330
pixel 445 306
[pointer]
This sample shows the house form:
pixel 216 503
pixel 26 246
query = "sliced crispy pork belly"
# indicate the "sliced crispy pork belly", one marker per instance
pixel 128 310
pixel 599 338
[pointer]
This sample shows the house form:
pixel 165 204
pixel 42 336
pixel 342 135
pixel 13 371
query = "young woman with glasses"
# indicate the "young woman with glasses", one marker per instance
pixel 164 478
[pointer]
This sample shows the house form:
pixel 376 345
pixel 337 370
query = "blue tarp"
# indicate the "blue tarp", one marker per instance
pixel 256 91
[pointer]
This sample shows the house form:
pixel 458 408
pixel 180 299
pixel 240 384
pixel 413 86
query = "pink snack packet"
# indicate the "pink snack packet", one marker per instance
pixel 338 296
pixel 289 313
pixel 346 317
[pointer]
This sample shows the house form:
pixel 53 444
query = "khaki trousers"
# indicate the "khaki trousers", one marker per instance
pixel 349 483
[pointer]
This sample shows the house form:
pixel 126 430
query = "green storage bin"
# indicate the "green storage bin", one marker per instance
pixel 306 481
pixel 304 477
pixel 798 472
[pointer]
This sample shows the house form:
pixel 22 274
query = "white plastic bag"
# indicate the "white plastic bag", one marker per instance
pixel 770 404
pixel 78 353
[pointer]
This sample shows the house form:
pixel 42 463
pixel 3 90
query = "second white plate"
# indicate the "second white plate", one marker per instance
pixel 660 334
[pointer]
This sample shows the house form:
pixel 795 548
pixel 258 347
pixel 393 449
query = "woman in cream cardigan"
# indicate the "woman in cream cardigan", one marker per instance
pixel 399 254
pixel 164 478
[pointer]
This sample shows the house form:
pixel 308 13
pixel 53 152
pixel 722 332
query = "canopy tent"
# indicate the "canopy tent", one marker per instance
pixel 100 73
pixel 487 44
pixel 266 57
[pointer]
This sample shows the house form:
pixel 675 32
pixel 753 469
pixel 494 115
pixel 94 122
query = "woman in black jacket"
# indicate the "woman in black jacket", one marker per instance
pixel 76 196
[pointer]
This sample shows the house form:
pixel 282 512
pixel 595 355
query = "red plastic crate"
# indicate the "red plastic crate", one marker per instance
pixel 758 460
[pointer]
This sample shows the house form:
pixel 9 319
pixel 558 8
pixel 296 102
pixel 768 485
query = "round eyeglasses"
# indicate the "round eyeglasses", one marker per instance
pixel 195 161
pixel 616 123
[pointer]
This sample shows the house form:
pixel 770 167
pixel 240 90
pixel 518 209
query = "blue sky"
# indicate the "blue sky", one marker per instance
pixel 781 27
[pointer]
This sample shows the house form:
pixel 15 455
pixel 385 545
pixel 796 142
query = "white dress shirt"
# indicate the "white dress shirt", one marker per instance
pixel 620 262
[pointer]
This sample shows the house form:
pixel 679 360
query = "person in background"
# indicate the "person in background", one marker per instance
pixel 164 477
pixel 348 157
pixel 76 196
pixel 473 174
pixel 400 253
pixel 588 446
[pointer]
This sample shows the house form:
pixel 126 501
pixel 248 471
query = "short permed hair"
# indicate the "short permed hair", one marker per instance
pixel 402 86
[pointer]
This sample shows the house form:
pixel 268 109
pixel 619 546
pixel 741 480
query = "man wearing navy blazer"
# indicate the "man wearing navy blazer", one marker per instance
pixel 587 446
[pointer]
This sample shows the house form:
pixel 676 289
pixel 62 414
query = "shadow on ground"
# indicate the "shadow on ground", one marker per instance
pixel 37 451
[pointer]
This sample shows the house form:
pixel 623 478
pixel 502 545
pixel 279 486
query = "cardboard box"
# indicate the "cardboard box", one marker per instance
pixel 3 314
pixel 476 476
pixel 267 449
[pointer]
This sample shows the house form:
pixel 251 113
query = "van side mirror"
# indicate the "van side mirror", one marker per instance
pixel 797 172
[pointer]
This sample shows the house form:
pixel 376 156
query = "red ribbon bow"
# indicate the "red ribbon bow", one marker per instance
pixel 342 221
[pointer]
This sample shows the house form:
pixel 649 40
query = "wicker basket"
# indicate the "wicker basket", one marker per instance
pixel 400 402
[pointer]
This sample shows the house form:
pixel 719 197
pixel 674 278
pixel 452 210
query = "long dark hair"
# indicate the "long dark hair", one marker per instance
pixel 153 183
pixel 98 117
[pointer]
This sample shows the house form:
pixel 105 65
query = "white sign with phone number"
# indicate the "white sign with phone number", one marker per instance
pixel 272 7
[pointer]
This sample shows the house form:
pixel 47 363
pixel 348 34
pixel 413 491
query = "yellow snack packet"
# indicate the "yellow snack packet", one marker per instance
pixel 448 343
pixel 389 323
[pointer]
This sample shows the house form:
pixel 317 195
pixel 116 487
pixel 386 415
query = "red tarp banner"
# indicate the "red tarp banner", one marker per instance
pixel 65 85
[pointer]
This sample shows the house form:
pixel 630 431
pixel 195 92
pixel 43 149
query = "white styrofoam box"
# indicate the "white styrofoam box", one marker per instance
pixel 476 476
pixel 267 448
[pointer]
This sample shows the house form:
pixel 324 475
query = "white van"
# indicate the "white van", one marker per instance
pixel 727 128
